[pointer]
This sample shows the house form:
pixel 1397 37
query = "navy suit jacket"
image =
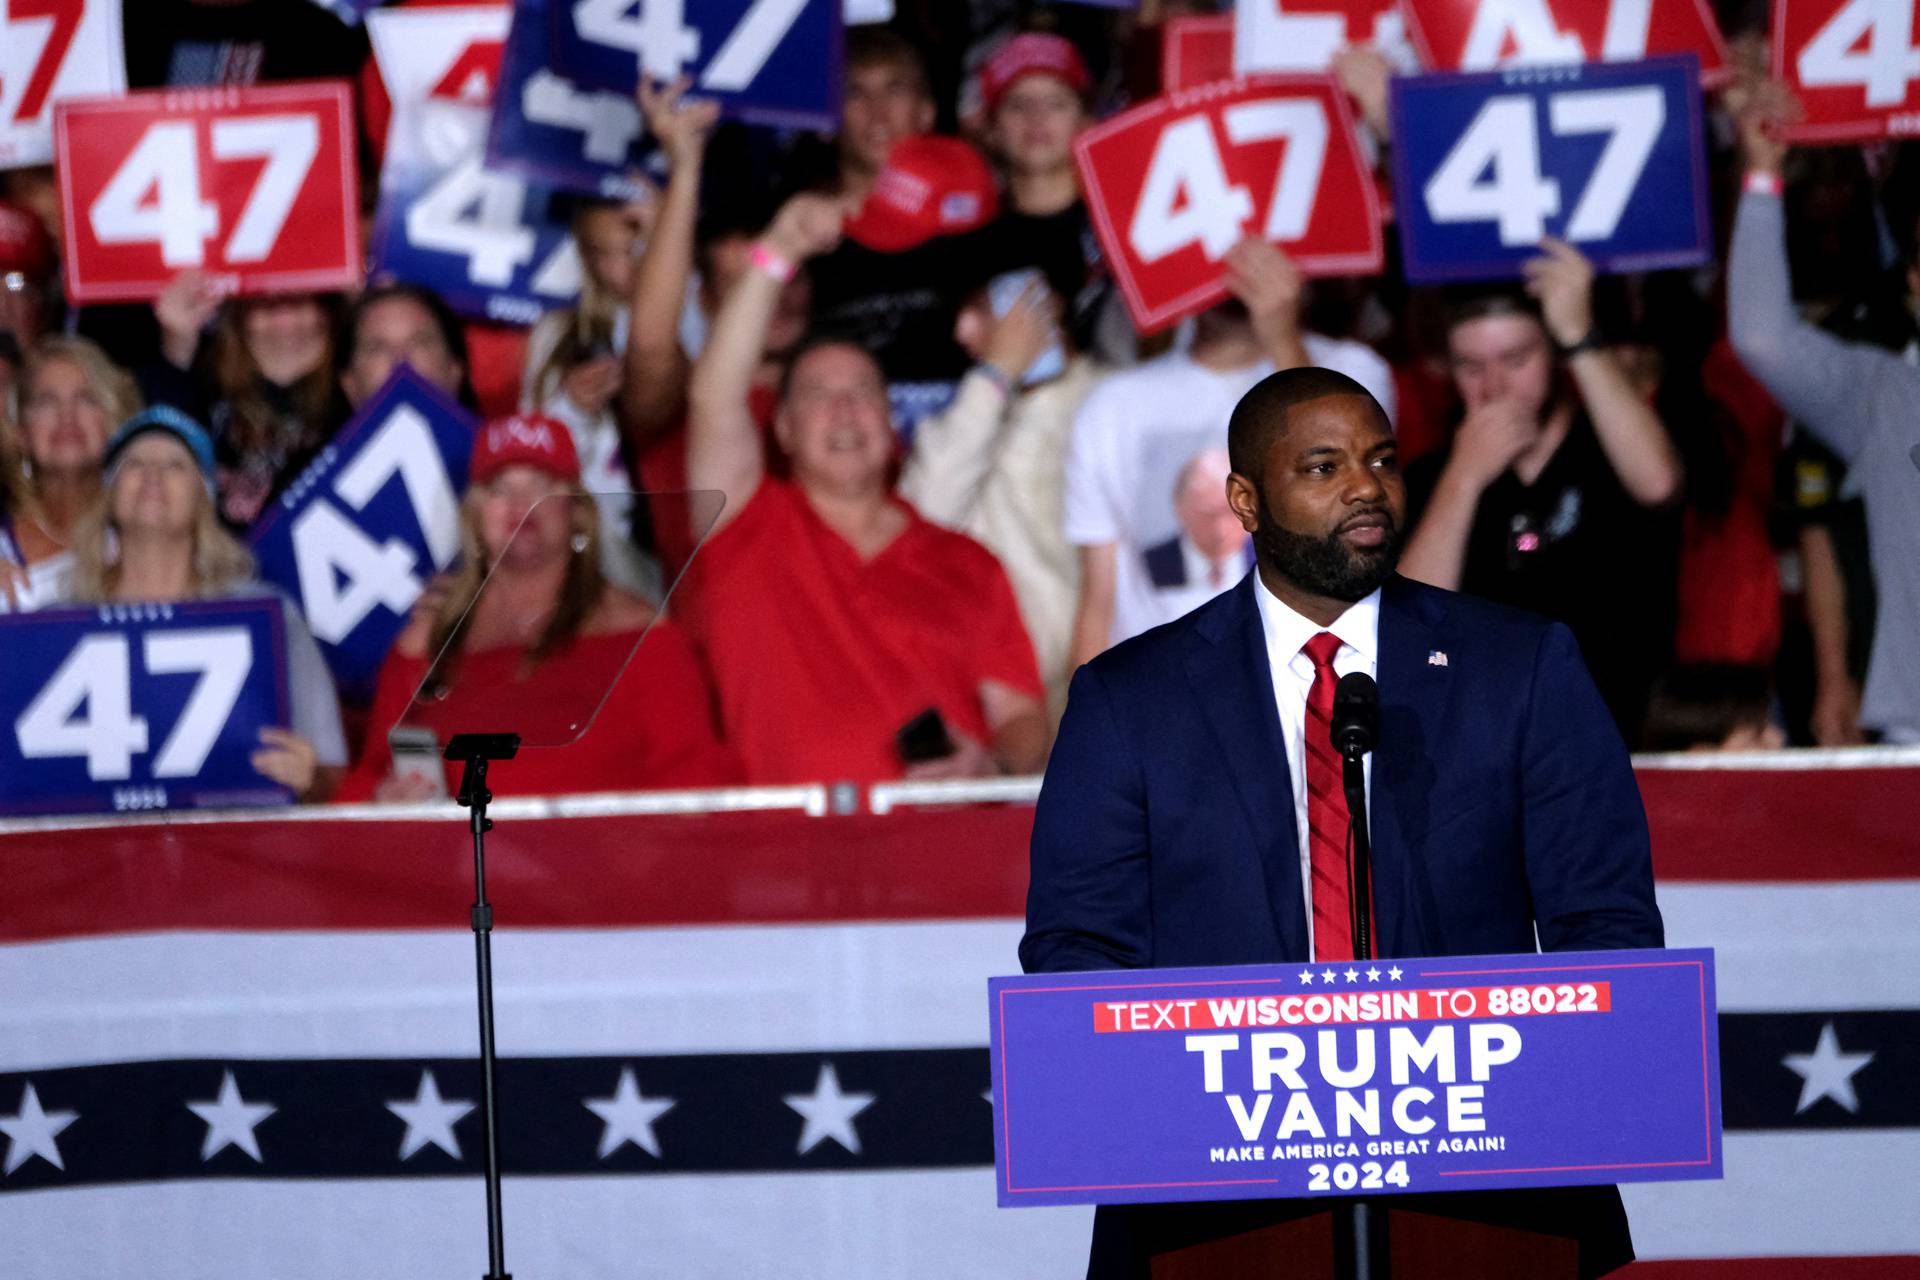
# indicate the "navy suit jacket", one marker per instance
pixel 1502 803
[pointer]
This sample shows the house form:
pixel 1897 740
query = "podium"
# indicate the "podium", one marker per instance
pixel 1419 1246
pixel 1484 1106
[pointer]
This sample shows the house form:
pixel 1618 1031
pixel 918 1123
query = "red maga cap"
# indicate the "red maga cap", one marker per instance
pixel 929 187
pixel 1033 53
pixel 24 246
pixel 525 439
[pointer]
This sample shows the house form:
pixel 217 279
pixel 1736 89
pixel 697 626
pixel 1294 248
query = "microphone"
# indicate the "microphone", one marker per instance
pixel 1356 715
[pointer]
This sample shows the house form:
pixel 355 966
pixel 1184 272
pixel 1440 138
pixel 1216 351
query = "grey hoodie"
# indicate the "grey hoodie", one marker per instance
pixel 1864 403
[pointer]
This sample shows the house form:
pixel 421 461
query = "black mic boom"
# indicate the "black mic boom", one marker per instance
pixel 1356 714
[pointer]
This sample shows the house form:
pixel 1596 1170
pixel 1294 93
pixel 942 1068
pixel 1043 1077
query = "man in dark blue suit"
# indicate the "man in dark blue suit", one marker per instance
pixel 1183 818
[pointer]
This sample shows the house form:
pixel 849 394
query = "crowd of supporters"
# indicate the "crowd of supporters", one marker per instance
pixel 950 469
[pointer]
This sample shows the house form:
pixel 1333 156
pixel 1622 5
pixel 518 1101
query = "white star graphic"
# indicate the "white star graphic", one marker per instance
pixel 829 1112
pixel 31 1131
pixel 1306 976
pixel 1353 975
pixel 629 1116
pixel 1394 973
pixel 230 1120
pixel 1373 975
pixel 429 1118
pixel 1826 1072
pixel 1327 976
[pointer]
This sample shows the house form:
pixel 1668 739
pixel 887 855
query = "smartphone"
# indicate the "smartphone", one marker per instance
pixel 416 753
pixel 1002 292
pixel 923 738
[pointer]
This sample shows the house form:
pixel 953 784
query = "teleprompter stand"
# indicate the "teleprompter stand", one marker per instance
pixel 475 751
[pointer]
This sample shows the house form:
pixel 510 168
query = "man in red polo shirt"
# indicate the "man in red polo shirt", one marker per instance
pixel 832 615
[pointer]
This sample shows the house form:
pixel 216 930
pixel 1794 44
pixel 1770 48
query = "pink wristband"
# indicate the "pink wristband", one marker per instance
pixel 1764 184
pixel 770 262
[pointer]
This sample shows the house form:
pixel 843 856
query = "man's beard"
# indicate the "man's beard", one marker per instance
pixel 1327 566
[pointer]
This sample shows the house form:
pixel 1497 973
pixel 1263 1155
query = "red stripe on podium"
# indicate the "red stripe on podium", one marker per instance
pixel 1845 1268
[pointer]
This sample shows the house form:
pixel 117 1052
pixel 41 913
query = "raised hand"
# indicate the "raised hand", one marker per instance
pixel 1272 288
pixel 1031 325
pixel 680 125
pixel 1761 108
pixel 1561 279
pixel 1363 71
pixel 287 758
pixel 807 225
pixel 183 309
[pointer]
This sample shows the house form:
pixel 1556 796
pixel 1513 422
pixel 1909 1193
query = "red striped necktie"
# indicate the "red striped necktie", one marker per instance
pixel 1326 810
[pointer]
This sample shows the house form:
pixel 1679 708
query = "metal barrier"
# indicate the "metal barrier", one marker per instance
pixel 819 799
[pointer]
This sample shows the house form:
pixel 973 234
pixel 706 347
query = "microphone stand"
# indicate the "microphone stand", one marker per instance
pixel 476 751
pixel 1361 1241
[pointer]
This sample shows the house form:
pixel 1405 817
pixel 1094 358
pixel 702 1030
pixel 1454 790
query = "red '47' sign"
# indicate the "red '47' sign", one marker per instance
pixel 254 186
pixel 1172 185
pixel 1854 64
pixel 1480 35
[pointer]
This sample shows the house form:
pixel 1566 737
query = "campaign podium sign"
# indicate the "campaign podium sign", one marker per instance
pixel 357 536
pixel 127 707
pixel 1457 1073
pixel 1608 156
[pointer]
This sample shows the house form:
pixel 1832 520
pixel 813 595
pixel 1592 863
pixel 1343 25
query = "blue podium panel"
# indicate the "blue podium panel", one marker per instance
pixel 775 62
pixel 370 520
pixel 1610 157
pixel 140 706
pixel 1452 1074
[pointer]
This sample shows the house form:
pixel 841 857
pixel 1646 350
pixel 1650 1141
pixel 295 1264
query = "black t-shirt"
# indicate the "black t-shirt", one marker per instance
pixel 179 44
pixel 899 306
pixel 1064 248
pixel 1575 547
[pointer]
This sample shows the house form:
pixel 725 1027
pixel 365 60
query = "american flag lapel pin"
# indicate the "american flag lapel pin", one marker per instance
pixel 1436 657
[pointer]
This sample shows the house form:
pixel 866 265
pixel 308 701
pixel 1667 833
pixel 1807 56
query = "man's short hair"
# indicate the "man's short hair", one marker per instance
pixel 816 341
pixel 1261 415
pixel 872 46
pixel 1702 705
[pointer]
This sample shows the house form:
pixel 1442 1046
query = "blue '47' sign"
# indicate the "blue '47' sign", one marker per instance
pixel 554 128
pixel 358 535
pixel 768 61
pixel 140 706
pixel 1608 156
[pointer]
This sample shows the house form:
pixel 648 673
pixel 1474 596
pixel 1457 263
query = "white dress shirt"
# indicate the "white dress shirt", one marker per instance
pixel 1286 634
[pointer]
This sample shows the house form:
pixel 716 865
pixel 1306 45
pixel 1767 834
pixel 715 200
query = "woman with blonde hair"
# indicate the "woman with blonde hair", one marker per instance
pixel 70 396
pixel 573 373
pixel 528 629
pixel 153 537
